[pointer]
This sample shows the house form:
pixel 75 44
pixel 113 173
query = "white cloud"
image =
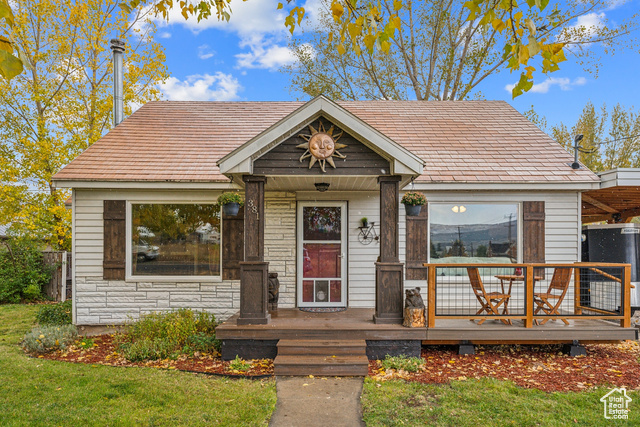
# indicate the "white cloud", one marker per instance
pixel 165 35
pixel 312 13
pixel 564 83
pixel 202 87
pixel 247 17
pixel 586 26
pixel 258 24
pixel 204 52
pixel 264 56
pixel 617 3
pixel 591 20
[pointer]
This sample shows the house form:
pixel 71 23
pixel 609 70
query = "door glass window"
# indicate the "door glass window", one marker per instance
pixel 321 223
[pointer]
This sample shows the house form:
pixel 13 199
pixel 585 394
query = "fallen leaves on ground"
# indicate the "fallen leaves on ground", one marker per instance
pixel 104 352
pixel 542 367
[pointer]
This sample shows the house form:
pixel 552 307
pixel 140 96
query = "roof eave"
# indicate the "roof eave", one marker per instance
pixel 507 186
pixel 144 184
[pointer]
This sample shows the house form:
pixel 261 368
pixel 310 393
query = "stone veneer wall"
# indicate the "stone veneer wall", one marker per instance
pixel 280 243
pixel 102 302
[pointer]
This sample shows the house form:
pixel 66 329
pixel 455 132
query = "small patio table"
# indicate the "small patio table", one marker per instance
pixel 511 278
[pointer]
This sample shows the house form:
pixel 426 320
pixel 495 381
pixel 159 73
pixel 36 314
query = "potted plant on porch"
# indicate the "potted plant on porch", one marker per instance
pixel 230 203
pixel 413 202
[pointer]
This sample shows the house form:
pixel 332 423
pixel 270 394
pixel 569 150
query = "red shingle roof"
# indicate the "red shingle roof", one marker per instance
pixel 462 141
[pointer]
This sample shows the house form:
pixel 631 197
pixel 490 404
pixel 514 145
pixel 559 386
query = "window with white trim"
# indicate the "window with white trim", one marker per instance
pixel 175 239
pixel 473 232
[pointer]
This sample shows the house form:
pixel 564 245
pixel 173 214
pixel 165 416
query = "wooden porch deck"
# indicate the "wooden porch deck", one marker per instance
pixel 357 323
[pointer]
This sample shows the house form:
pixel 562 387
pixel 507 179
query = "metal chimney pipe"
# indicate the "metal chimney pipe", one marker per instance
pixel 117 46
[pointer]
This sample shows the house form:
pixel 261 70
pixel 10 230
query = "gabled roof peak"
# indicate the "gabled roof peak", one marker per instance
pixel 240 160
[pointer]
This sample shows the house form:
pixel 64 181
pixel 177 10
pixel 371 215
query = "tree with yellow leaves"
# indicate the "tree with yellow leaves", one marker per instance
pixel 610 137
pixel 10 62
pixel 62 102
pixel 531 37
pixel 443 49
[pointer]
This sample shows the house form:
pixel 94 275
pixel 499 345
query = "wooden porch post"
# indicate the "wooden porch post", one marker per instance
pixel 529 291
pixel 253 270
pixel 389 269
pixel 626 298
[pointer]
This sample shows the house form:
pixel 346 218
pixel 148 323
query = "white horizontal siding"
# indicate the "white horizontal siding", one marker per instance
pixel 562 219
pixel 113 303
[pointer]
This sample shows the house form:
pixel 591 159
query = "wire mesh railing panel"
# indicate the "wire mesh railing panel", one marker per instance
pixel 480 291
pixel 553 291
pixel 601 291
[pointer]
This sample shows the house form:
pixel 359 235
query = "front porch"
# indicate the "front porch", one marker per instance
pixel 593 307
pixel 357 324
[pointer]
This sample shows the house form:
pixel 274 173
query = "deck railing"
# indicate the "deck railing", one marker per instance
pixel 531 293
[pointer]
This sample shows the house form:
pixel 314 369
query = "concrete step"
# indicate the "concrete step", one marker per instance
pixel 322 347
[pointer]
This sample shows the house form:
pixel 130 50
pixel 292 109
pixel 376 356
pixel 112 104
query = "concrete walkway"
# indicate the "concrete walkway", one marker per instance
pixel 318 401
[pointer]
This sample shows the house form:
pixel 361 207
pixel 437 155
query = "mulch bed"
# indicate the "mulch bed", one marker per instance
pixel 104 352
pixel 542 367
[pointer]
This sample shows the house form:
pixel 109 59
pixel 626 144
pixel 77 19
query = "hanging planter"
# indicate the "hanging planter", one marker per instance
pixel 413 202
pixel 230 203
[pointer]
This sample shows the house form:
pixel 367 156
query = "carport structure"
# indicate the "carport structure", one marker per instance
pixel 617 200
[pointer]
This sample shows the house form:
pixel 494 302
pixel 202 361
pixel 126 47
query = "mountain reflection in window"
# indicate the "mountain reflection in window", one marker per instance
pixel 473 232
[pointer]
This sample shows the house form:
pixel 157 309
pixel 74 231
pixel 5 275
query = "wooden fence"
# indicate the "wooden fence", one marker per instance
pixel 58 288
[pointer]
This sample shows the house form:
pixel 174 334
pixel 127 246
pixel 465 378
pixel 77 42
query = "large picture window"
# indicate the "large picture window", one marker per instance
pixel 464 233
pixel 175 240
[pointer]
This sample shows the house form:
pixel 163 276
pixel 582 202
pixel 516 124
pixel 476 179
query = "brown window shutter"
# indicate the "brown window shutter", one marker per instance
pixel 533 229
pixel 232 245
pixel 417 247
pixel 115 230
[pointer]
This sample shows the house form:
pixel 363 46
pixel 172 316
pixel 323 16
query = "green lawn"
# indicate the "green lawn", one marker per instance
pixel 485 402
pixel 43 392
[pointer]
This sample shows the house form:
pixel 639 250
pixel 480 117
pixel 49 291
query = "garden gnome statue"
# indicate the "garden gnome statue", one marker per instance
pixel 413 309
pixel 274 289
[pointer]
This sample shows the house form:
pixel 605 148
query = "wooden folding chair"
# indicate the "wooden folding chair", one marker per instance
pixel 550 301
pixel 490 302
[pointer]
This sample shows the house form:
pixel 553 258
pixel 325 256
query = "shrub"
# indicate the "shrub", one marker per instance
pixel 148 349
pixel 85 343
pixel 43 339
pixel 409 364
pixel 22 271
pixel 161 335
pixel 203 342
pixel 239 365
pixel 55 314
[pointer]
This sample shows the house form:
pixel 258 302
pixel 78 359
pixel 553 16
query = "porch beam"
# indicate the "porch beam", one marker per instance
pixel 253 270
pixel 389 269
pixel 598 204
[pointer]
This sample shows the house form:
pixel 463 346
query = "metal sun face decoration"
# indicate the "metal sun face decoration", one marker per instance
pixel 321 146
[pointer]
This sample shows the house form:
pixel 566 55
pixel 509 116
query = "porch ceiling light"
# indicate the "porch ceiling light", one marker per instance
pixel 322 186
pixel 460 209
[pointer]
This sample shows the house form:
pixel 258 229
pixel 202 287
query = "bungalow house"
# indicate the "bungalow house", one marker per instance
pixel 148 234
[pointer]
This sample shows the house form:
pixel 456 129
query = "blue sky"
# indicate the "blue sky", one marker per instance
pixel 240 60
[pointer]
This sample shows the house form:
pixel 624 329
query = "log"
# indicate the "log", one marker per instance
pixel 414 318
